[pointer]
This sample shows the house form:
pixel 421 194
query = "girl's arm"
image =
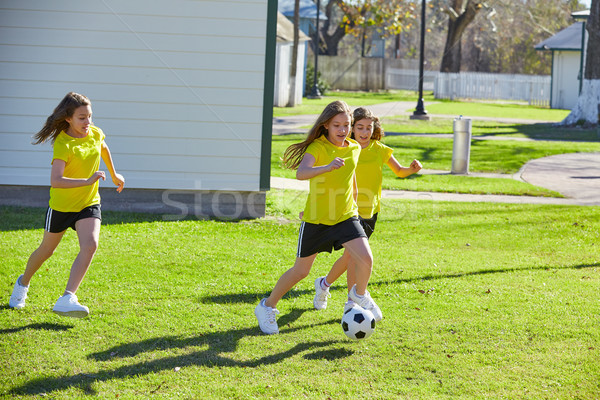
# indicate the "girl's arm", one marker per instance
pixel 403 172
pixel 354 188
pixel 117 179
pixel 307 170
pixel 58 180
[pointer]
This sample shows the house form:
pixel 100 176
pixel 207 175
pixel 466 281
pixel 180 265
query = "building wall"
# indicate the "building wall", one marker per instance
pixel 282 75
pixel 565 83
pixel 177 86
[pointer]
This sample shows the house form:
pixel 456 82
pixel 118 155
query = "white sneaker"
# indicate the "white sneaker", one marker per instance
pixel 350 304
pixel 366 302
pixel 321 295
pixel 19 294
pixel 68 306
pixel 267 320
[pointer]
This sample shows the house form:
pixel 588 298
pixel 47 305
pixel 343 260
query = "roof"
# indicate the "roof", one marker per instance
pixel 308 9
pixel 567 39
pixel 285 30
pixel 577 15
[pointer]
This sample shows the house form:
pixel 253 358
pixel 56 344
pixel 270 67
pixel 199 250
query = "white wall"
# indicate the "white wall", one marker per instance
pixel 283 62
pixel 177 86
pixel 565 85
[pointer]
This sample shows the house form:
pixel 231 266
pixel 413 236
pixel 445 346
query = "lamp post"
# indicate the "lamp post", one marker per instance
pixel 315 93
pixel 420 112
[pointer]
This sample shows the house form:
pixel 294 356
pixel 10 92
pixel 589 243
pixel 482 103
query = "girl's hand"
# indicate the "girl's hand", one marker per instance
pixel 335 164
pixel 415 166
pixel 119 181
pixel 97 175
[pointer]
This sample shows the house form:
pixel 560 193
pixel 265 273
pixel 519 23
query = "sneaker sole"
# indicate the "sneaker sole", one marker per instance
pixel 72 314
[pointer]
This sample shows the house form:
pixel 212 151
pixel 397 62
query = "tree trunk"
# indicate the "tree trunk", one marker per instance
pixel 456 27
pixel 586 109
pixel 332 40
pixel 294 66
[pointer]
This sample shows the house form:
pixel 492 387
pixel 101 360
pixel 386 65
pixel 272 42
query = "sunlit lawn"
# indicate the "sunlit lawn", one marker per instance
pixel 479 301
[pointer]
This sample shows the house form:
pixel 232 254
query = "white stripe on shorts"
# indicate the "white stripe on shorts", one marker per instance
pixel 300 239
pixel 48 219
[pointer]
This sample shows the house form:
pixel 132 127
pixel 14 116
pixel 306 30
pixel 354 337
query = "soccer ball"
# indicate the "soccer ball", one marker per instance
pixel 358 323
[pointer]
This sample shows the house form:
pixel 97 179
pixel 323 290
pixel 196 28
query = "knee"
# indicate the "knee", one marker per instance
pixel 301 273
pixel 89 247
pixel 365 261
pixel 45 252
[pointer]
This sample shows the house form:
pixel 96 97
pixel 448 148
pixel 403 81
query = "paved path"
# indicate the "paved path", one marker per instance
pixel 576 176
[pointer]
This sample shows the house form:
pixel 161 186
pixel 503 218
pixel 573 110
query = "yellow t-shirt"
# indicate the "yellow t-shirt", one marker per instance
pixel 331 199
pixel 82 157
pixel 369 174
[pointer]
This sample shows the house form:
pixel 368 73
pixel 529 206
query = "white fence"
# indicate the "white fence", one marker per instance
pixel 363 73
pixel 408 79
pixel 473 85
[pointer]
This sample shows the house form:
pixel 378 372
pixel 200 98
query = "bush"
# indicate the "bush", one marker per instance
pixel 310 76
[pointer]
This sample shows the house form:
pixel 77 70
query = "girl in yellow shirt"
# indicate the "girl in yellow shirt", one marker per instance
pixel 367 131
pixel 328 158
pixel 74 199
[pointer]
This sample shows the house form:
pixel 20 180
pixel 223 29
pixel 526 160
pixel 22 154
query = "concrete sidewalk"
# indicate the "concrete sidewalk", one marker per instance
pixel 576 176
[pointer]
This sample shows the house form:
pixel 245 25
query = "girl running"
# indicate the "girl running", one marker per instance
pixel 367 131
pixel 328 159
pixel 74 200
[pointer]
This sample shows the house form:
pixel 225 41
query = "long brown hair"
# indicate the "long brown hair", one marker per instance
pixel 56 122
pixel 293 154
pixel 365 113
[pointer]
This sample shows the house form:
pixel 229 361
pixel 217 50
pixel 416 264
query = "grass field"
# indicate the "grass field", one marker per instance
pixel 479 301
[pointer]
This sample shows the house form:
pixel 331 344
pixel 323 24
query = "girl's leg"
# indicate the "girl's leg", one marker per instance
pixel 338 268
pixel 362 261
pixel 88 233
pixel 49 243
pixel 289 279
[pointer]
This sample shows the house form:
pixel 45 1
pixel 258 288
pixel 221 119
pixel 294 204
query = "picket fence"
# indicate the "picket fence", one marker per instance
pixel 533 89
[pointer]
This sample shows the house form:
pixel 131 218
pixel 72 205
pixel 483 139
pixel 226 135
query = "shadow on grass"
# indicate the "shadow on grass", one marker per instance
pixel 45 326
pixel 251 297
pixel 24 218
pixel 218 343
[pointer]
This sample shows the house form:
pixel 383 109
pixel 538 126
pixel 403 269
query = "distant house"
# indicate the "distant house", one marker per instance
pixel 183 90
pixel 567 62
pixel 308 14
pixel 283 61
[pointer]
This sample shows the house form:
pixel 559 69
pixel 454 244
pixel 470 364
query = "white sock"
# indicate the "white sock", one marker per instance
pixel 324 284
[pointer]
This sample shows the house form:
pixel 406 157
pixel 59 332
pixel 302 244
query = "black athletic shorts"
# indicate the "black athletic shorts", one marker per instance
pixel 368 224
pixel 317 238
pixel 58 221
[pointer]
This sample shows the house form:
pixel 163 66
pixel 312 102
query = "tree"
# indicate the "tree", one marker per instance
pixel 353 17
pixel 589 98
pixel 461 15
pixel 294 66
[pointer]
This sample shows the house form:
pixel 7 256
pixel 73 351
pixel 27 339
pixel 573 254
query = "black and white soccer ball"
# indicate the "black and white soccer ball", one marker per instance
pixel 358 323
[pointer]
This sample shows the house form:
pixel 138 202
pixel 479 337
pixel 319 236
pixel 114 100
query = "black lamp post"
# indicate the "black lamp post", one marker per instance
pixel 315 93
pixel 420 112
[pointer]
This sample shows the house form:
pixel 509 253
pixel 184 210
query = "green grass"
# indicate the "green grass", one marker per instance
pixel 492 156
pixel 539 131
pixel 432 105
pixel 496 110
pixel 354 99
pixel 479 300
